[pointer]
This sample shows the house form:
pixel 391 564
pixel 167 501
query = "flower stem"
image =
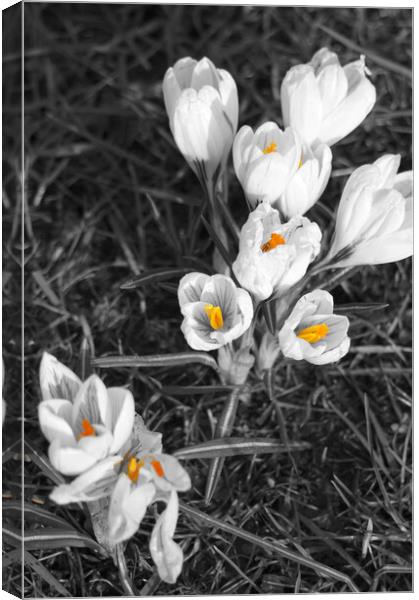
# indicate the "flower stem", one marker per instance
pixel 127 585
pixel 223 429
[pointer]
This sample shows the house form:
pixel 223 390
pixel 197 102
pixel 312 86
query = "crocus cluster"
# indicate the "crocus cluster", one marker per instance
pixel 95 437
pixel 90 429
pixel 283 172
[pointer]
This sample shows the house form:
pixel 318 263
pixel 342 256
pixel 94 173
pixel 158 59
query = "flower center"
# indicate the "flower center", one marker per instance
pixel 275 240
pixel 313 334
pixel 300 164
pixel 215 316
pixel 270 148
pixel 134 467
pixel 86 429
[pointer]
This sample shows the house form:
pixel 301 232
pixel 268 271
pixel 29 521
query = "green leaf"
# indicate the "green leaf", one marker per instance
pixel 156 360
pixel 154 276
pixel 357 307
pixel 237 447
pixel 50 537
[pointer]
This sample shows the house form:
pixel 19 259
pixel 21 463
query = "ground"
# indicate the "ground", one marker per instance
pixel 107 196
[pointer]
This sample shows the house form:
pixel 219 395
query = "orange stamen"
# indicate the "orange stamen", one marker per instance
pixel 270 148
pixel 215 316
pixel 275 240
pixel 86 429
pixel 314 334
pixel 157 467
pixel 134 468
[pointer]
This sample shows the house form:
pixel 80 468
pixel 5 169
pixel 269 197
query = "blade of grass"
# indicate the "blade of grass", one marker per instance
pixel 156 360
pixel 269 546
pixel 237 447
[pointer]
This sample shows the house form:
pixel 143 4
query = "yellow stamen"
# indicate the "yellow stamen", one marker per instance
pixel 215 316
pixel 86 429
pixel 134 468
pixel 270 148
pixel 300 164
pixel 314 334
pixel 157 467
pixel 275 240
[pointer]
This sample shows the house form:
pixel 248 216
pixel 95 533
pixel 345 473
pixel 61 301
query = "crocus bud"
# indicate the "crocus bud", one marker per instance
pixel 313 333
pixel 308 182
pixel 274 256
pixel 202 105
pixel 267 352
pixel 265 160
pixel 374 222
pixel 234 365
pixel 324 101
pixel 215 310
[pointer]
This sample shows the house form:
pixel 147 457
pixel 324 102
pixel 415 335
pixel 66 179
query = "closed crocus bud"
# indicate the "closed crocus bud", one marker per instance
pixel 84 422
pixel 215 310
pixel 234 365
pixel 265 160
pixel 323 100
pixel 313 333
pixel 374 222
pixel 267 352
pixel 274 256
pixel 202 106
pixel 308 183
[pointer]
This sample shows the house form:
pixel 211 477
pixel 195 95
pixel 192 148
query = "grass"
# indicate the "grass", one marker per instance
pixel 108 196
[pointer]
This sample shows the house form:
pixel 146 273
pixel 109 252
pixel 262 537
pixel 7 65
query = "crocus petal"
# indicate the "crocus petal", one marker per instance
pixel 190 288
pixel 98 445
pixel 166 554
pixel 301 102
pixel 57 380
pixel 381 250
pixel 127 508
pixel 91 403
pixel 120 416
pixel 333 355
pixel 93 484
pixel 170 475
pixel 55 420
pixel 69 460
pixel 388 166
pixel 354 107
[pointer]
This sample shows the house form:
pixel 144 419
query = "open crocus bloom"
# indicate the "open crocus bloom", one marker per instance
pixel 274 256
pixel 308 182
pixel 313 333
pixel 202 105
pixel 134 481
pixel 265 161
pixel 323 100
pixel 84 422
pixel 215 310
pixel 374 222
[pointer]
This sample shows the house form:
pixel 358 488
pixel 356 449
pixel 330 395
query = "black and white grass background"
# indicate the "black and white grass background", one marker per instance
pixel 96 193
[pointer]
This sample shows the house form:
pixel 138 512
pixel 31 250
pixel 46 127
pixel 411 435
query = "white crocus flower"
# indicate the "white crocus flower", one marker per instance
pixel 308 183
pixel 374 223
pixel 274 256
pixel 323 100
pixel 84 422
pixel 265 160
pixel 134 481
pixel 313 333
pixel 215 310
pixel 202 105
